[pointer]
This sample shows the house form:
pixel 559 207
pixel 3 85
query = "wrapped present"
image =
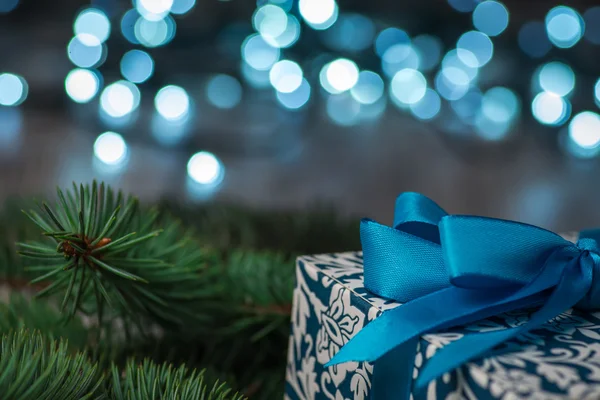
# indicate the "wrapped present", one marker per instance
pixel 448 307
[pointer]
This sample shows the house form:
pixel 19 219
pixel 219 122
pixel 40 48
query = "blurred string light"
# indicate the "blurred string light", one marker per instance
pixel 398 57
pixel 182 6
pixel 7 6
pixel 318 14
pixel 351 32
pixel 128 22
pixel 86 51
pixel 167 132
pixel 119 99
pixel 270 21
pixel 13 89
pixel 463 5
pixel 153 10
pixel 205 168
pixel 584 134
pixel 286 76
pixel 111 149
pixel 591 18
pixel 467 106
pixel 455 78
pixel 388 38
pixel 297 98
pixel 223 91
pixel 369 87
pixel 477 44
pixel 256 78
pixel 259 54
pixel 428 107
pixel 597 93
pixel 343 109
pixel 556 77
pixel 499 109
pixel 82 85
pixel 288 37
pixel 533 39
pixel 490 17
pixel 564 26
pixel 429 51
pixel 137 66
pixel 342 74
pixel 154 33
pixel 172 102
pixel 408 86
pixel 453 62
pixel 92 26
pixel 285 4
pixel 11 125
pixel 550 109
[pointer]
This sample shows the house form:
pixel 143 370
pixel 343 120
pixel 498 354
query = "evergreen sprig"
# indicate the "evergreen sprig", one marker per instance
pixel 104 246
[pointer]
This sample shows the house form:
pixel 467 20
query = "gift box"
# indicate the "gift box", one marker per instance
pixel 559 360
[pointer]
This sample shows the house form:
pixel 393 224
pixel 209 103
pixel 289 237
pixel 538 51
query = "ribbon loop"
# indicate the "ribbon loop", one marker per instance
pixel 455 269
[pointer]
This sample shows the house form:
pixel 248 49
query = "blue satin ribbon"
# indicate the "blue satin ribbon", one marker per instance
pixel 452 270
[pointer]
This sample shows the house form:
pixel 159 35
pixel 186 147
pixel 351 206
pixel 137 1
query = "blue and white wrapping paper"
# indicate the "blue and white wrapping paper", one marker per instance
pixel 559 361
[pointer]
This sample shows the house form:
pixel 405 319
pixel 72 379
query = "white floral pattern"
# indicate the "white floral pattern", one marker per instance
pixel 559 361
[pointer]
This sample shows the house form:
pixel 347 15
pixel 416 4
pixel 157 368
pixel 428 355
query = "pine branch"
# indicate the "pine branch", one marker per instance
pixel 153 381
pixel 100 246
pixel 34 368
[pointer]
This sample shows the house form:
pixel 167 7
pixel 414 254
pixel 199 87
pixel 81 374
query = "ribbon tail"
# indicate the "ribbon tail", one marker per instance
pixel 572 287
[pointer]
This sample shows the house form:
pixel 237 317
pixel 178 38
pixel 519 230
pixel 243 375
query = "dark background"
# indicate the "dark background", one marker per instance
pixel 275 158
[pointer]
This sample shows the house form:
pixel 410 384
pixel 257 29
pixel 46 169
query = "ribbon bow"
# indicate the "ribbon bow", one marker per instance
pixel 452 270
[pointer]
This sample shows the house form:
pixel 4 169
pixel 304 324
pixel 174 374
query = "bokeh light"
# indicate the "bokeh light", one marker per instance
pixel 259 54
pixel 556 77
pixel 286 76
pixel 584 133
pixel 119 99
pixel 270 21
pixel 151 33
pixel 13 89
pixel 408 86
pixel 369 88
pixel 463 5
pixel 255 78
pixel 92 23
pixel 137 66
pixel 398 57
pixel 550 109
pixel 564 26
pixel 591 18
pixel 153 10
pixel 467 107
pixel 205 168
pixel 296 99
pixel 474 43
pixel 288 37
pixel 318 14
pixel 341 74
pixel 82 85
pixel 7 6
pixel 223 91
pixel 128 25
pixel 597 93
pixel 343 109
pixel 389 37
pixel 490 17
pixel 351 32
pixel 110 148
pixel 488 129
pixel 533 39
pixel 500 105
pixel 446 86
pixel 172 102
pixel 428 107
pixel 429 50
pixel 182 6
pixel 452 60
pixel 86 51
